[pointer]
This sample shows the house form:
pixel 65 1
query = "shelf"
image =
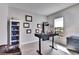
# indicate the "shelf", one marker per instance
pixel 14 35
pixel 15 38
pixel 14 32
pixel 16 25
pixel 15 41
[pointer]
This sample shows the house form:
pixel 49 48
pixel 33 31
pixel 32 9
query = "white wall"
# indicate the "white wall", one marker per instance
pixel 3 23
pixel 71 21
pixel 37 19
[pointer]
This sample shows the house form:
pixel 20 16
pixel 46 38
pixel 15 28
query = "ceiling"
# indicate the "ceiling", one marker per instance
pixel 41 8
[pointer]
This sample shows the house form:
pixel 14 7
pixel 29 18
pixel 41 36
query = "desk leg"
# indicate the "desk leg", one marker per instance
pixel 53 43
pixel 39 51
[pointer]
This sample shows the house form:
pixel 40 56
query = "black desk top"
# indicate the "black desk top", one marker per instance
pixel 43 34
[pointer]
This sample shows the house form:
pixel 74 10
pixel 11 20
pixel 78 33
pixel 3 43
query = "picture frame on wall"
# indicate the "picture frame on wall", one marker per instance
pixel 28 31
pixel 26 25
pixel 36 30
pixel 28 18
pixel 38 25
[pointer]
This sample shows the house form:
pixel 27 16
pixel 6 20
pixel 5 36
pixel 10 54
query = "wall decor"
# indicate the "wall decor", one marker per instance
pixel 36 30
pixel 26 25
pixel 28 31
pixel 28 18
pixel 38 25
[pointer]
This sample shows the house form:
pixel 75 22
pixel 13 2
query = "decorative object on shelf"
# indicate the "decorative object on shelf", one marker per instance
pixel 13 18
pixel 38 25
pixel 26 25
pixel 28 31
pixel 36 30
pixel 28 18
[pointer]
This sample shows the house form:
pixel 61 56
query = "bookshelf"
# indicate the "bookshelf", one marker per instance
pixel 13 32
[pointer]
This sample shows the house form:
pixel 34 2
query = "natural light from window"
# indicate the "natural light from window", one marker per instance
pixel 58 22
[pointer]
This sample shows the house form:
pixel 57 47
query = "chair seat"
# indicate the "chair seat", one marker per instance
pixel 4 51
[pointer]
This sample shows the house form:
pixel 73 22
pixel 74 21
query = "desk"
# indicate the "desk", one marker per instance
pixel 40 36
pixel 52 35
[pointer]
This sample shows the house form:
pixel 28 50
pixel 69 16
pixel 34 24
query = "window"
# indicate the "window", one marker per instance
pixel 58 25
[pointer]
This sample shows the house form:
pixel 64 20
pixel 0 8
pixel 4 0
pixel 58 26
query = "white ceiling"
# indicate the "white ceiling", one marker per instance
pixel 41 8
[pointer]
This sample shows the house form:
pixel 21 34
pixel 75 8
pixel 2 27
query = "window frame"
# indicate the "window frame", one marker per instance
pixel 54 23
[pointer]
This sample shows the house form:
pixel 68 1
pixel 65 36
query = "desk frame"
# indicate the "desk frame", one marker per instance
pixel 52 46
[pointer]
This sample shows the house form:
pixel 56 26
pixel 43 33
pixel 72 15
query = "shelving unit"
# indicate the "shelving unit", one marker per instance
pixel 13 32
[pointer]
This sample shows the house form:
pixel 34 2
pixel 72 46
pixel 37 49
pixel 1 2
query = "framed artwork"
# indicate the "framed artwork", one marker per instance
pixel 28 31
pixel 38 25
pixel 28 18
pixel 36 30
pixel 26 25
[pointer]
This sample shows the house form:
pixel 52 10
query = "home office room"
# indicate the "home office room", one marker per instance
pixel 39 29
